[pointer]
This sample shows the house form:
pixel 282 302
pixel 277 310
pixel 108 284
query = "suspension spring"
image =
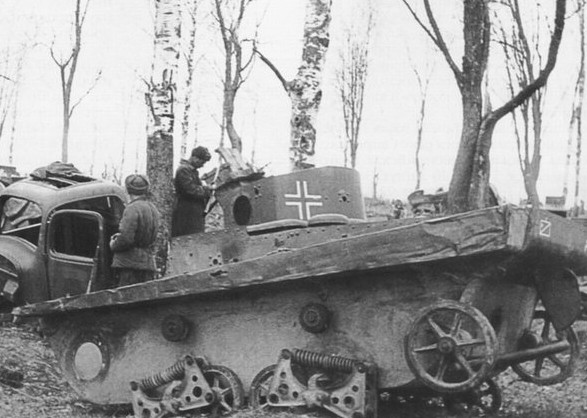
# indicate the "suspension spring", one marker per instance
pixel 323 361
pixel 175 372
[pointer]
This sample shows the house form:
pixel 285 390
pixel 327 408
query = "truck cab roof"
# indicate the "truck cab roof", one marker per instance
pixel 49 193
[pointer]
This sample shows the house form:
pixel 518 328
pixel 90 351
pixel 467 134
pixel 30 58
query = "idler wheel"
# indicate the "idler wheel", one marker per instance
pixel 227 389
pixel 89 357
pixel 315 318
pixel 553 368
pixel 175 328
pixel 451 347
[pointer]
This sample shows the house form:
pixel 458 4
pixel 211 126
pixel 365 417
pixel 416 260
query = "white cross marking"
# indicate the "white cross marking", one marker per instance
pixel 302 194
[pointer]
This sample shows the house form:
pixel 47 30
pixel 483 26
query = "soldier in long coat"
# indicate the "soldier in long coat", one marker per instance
pixel 132 246
pixel 191 196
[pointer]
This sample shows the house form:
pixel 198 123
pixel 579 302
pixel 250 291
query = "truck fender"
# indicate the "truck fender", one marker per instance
pixel 16 258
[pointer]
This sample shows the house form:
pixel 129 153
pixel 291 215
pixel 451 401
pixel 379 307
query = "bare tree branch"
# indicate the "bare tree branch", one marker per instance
pixel 442 44
pixel 88 91
pixel 273 68
pixel 436 37
pixel 559 24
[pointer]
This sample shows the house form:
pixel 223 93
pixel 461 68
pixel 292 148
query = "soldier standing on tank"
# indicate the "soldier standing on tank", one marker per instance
pixel 133 260
pixel 191 195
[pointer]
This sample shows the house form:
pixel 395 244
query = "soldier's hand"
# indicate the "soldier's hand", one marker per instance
pixel 113 238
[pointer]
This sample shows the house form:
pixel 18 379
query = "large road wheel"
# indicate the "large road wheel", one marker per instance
pixel 553 368
pixel 451 347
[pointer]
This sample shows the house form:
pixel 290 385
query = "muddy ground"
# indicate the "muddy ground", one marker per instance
pixel 43 393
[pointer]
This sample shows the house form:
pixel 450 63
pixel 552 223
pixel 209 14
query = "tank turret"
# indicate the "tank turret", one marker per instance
pixel 249 198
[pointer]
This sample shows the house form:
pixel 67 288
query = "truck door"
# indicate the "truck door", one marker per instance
pixel 75 252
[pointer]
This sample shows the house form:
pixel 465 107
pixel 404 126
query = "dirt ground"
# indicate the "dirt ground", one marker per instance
pixel 43 393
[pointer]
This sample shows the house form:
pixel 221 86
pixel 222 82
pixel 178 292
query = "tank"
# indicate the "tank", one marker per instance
pixel 301 302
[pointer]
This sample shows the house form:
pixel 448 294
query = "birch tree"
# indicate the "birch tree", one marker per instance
pixel 305 90
pixel 469 184
pixel 191 8
pixel 351 77
pixel 67 66
pixel 161 116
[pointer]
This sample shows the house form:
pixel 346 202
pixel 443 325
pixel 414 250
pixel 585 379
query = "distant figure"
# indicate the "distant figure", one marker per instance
pixel 398 209
pixel 133 260
pixel 191 195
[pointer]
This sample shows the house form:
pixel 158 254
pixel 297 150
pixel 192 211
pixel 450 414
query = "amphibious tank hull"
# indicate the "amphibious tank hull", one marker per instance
pixel 358 294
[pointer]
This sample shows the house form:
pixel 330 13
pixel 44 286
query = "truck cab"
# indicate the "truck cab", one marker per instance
pixel 54 235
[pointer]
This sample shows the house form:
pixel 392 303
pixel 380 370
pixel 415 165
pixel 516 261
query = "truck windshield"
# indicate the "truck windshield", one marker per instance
pixel 19 215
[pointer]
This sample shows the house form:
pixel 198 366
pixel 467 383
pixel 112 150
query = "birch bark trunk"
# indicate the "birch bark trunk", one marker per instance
pixel 190 63
pixel 305 90
pixel 160 101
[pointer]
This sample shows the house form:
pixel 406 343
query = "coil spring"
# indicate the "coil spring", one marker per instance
pixel 323 361
pixel 175 372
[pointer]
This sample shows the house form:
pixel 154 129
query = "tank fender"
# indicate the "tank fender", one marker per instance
pixel 17 258
pixel 558 289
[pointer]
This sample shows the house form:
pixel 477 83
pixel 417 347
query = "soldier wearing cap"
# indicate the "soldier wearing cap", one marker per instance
pixel 191 195
pixel 132 246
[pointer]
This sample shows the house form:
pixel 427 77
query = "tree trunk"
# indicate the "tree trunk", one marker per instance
pixel 305 90
pixel 420 129
pixel 423 85
pixel 161 117
pixel 568 155
pixel 458 194
pixel 65 136
pixel 577 168
pixel 530 184
pixel 13 130
pixel 375 182
pixel 234 67
pixel 469 169
pixel 67 68
pixel 190 63
pixel 578 110
pixel 534 165
pixel 235 139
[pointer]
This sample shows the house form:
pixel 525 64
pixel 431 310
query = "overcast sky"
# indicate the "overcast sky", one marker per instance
pixel 118 41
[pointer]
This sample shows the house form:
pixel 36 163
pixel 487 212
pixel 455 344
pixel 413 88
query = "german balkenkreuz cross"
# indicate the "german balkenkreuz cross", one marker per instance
pixel 303 200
